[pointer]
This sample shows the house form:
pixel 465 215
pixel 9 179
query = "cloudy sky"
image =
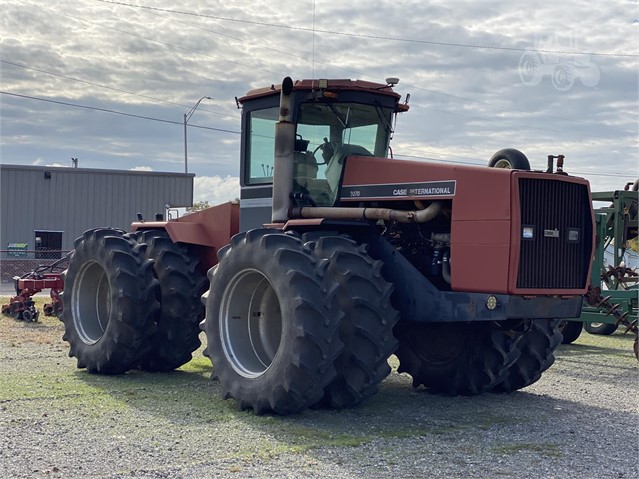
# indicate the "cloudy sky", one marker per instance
pixel 108 82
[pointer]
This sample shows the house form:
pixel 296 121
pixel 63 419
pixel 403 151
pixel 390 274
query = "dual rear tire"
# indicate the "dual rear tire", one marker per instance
pixel 131 301
pixel 537 346
pixel 181 284
pixel 110 302
pixel 570 331
pixel 455 358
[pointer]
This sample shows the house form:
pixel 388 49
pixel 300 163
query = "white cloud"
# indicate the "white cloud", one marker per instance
pixel 41 162
pixel 141 168
pixel 215 189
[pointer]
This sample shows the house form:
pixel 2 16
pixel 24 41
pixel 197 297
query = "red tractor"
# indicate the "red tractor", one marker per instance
pixel 337 257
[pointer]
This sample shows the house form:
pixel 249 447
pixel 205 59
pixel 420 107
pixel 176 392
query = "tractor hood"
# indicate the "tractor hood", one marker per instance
pixel 508 227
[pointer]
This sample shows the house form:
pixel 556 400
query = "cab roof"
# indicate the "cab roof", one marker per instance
pixel 324 85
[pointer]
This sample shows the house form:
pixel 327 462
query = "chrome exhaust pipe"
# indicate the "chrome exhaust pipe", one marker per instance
pixel 283 160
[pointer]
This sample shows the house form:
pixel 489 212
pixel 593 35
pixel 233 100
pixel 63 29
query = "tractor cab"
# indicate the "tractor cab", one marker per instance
pixel 332 119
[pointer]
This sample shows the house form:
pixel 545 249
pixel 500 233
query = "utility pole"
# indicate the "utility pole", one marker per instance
pixel 187 117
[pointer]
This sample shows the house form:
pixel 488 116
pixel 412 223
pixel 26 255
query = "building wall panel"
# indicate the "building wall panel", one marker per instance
pixel 76 199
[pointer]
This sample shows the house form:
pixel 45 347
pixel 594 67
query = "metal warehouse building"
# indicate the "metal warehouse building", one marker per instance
pixel 46 208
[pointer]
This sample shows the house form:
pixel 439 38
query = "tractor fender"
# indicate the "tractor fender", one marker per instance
pixel 211 228
pixel 191 233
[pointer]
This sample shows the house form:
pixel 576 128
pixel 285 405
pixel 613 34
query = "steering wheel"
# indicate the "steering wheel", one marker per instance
pixel 327 152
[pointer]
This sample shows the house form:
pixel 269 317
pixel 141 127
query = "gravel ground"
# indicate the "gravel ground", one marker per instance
pixel 579 421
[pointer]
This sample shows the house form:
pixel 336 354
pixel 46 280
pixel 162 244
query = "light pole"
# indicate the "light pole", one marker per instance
pixel 187 117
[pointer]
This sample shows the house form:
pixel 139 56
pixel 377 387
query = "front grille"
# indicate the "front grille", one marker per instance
pixel 556 247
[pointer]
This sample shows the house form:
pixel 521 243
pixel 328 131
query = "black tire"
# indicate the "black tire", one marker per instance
pixel 182 284
pixel 109 302
pixel 28 316
pixel 602 329
pixel 272 323
pixel 570 331
pixel 509 158
pixel 30 313
pixel 537 347
pixel 369 318
pixel 456 358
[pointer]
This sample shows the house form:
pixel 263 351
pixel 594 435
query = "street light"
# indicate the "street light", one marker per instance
pixel 187 117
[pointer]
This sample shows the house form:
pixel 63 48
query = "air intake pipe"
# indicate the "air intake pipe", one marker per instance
pixel 284 151
pixel 401 216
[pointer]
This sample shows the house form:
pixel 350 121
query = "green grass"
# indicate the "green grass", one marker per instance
pixel 616 345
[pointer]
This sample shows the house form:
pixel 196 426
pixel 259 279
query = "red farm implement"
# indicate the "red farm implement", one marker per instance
pixel 22 307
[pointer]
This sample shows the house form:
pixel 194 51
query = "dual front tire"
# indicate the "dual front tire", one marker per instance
pixel 468 359
pixel 298 321
pixel 366 331
pixel 272 323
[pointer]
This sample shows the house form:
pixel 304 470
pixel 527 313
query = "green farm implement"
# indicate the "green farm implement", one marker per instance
pixel 611 302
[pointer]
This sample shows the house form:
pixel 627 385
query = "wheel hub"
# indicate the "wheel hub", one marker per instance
pixel 251 326
pixel 91 303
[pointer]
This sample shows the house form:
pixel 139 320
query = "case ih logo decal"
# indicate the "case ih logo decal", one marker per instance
pixel 403 190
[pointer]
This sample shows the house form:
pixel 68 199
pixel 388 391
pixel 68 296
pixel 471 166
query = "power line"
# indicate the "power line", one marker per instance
pixel 143 117
pixel 477 162
pixel 153 40
pixel 110 88
pixel 261 45
pixel 535 113
pixel 106 110
pixel 373 37
pixel 449 95
pixel 530 127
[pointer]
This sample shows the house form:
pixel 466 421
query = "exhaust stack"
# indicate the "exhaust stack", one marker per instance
pixel 283 161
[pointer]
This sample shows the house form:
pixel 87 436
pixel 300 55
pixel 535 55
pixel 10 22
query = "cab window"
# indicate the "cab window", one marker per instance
pixel 261 145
